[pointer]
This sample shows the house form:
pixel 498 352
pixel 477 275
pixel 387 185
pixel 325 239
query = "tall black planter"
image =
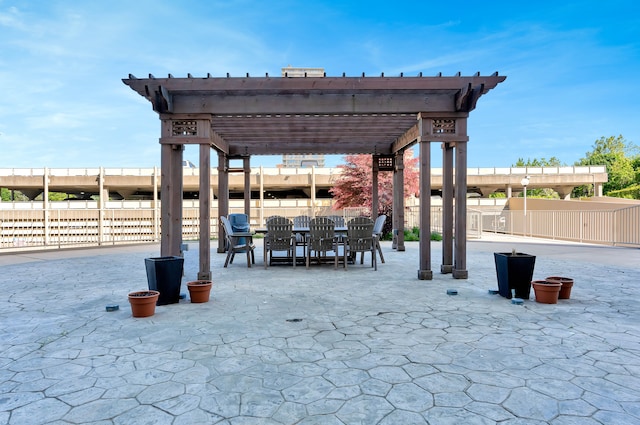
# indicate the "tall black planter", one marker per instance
pixel 164 274
pixel 515 271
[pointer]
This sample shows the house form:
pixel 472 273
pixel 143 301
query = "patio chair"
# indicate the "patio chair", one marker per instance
pixel 301 221
pixel 279 237
pixel 337 219
pixel 322 239
pixel 239 223
pixel 377 232
pixel 237 242
pixel 360 239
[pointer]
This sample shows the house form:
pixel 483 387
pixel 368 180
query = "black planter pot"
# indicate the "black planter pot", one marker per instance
pixel 164 274
pixel 514 271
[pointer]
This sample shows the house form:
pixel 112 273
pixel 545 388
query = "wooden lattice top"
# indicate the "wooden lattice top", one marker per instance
pixel 330 115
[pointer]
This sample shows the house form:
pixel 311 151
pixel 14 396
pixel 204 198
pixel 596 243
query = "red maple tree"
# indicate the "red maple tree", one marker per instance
pixel 353 187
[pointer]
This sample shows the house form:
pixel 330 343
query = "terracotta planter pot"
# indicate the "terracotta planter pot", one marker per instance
pixel 199 290
pixel 143 303
pixel 546 292
pixel 567 284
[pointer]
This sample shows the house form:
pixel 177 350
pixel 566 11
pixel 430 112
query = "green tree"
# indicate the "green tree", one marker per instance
pixel 7 195
pixel 618 155
pixel 545 192
pixel 57 196
pixel 542 162
pixel 635 163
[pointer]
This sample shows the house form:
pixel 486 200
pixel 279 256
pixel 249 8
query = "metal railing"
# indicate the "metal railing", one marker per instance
pixel 474 220
pixel 471 171
pixel 611 227
pixel 64 228
pixel 53 228
pixel 57 228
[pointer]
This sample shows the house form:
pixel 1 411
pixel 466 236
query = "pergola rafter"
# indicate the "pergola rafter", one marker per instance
pixel 381 116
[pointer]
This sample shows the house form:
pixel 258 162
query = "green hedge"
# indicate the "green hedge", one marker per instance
pixel 631 192
pixel 412 235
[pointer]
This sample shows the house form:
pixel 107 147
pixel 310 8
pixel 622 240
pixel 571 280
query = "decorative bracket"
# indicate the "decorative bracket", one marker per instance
pixel 163 101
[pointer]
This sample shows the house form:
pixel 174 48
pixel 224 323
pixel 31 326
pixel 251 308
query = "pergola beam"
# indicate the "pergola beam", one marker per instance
pixel 407 139
pixel 313 103
pixel 218 142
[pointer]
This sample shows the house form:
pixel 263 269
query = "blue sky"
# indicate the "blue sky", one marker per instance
pixel 572 68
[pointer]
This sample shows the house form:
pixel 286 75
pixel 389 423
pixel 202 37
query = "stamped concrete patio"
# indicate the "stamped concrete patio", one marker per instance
pixel 321 346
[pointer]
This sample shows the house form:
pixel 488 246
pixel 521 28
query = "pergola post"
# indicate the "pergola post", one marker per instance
pixel 398 201
pixel 204 272
pixel 374 187
pixel 246 166
pixel 425 272
pixel 447 208
pixel 460 258
pixel 171 199
pixel 156 204
pixel 223 196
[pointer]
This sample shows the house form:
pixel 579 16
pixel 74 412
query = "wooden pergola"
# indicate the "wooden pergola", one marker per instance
pixel 380 116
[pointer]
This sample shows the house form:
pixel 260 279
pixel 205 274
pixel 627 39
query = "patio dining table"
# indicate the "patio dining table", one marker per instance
pixel 340 231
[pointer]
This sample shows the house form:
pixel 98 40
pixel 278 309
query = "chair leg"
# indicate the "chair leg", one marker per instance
pixel 265 256
pixel 373 259
pixel 345 257
pixel 226 261
pixel 380 251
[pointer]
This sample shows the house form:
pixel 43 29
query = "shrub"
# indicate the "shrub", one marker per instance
pixel 412 235
pixel 631 192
